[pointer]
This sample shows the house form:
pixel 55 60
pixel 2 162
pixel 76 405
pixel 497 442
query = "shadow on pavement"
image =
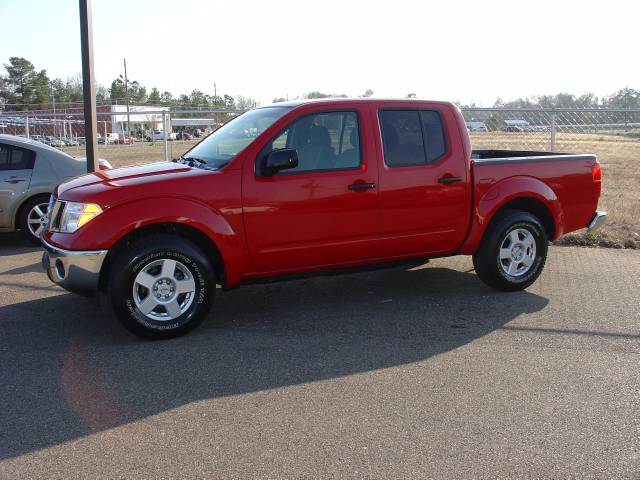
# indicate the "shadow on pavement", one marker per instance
pixel 15 243
pixel 68 369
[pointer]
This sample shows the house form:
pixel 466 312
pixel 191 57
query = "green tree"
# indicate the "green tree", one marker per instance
pixel 40 89
pixel 73 87
pixel 154 96
pixel 624 98
pixel 245 103
pixel 137 93
pixel 197 99
pixel 102 94
pixel 24 86
pixel 117 91
pixel 229 102
pixel 20 71
pixel 167 98
pixel 317 94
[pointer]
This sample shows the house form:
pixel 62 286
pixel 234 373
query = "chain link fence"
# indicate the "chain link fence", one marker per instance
pixel 549 129
pixel 613 135
pixel 144 134
pixel 578 131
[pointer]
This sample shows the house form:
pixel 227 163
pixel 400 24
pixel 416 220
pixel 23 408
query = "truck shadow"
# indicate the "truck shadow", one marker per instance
pixel 69 370
pixel 15 243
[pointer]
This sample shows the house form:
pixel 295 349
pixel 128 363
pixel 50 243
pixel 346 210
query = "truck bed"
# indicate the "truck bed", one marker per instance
pixel 563 179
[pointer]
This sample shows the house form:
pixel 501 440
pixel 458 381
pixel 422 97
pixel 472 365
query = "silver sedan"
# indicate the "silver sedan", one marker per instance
pixel 29 171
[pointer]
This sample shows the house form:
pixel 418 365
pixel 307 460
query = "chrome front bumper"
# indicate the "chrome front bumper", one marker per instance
pixel 597 221
pixel 76 271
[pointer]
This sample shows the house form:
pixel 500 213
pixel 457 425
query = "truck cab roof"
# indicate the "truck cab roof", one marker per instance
pixel 305 101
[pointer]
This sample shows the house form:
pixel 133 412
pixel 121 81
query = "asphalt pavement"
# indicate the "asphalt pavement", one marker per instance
pixel 397 373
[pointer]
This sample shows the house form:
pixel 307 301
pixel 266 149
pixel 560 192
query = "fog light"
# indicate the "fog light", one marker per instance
pixel 60 269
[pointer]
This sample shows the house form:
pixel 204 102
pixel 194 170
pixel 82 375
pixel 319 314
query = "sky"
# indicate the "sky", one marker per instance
pixel 467 51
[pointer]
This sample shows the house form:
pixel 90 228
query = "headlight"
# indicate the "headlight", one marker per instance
pixel 75 215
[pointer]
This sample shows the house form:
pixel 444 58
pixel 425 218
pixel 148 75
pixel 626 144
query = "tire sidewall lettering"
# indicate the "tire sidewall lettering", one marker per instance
pixel 200 281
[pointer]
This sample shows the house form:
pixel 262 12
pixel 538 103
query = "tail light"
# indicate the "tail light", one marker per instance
pixel 596 171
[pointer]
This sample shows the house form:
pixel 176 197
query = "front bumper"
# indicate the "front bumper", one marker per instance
pixel 596 222
pixel 76 271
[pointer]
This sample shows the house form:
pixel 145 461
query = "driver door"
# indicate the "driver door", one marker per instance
pixel 324 211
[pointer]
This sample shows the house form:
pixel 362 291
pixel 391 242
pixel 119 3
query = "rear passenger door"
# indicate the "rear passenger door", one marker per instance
pixel 424 185
pixel 16 167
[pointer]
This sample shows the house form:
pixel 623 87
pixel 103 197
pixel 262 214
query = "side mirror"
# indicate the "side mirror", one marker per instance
pixel 281 159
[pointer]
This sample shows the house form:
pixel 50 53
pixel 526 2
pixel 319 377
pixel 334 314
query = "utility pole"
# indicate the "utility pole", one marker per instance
pixel 126 94
pixel 88 86
pixel 53 100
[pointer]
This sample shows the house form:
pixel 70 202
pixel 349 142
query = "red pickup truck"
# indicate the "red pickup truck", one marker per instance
pixel 310 187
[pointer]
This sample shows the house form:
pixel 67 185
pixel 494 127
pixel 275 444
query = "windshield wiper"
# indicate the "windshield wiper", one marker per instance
pixel 191 161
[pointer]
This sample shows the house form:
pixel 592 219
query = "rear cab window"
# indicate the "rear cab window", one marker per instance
pixel 411 137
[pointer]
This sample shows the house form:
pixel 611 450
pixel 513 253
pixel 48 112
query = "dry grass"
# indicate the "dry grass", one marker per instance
pixel 143 152
pixel 620 159
pixel 619 156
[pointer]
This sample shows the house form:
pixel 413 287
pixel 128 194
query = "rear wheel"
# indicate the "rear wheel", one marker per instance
pixel 513 251
pixel 161 286
pixel 32 219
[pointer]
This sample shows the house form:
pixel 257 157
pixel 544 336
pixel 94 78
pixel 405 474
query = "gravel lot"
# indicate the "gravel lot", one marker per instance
pixel 421 373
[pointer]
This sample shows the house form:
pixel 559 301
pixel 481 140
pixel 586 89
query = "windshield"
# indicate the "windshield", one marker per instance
pixel 224 144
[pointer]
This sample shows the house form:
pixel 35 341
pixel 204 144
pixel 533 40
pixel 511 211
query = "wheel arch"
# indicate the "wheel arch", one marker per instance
pixel 193 234
pixel 19 209
pixel 517 193
pixel 531 205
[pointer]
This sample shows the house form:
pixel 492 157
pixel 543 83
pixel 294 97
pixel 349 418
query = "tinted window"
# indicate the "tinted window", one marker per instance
pixel 412 137
pixel 433 135
pixel 324 141
pixel 15 158
pixel 5 156
pixel 402 138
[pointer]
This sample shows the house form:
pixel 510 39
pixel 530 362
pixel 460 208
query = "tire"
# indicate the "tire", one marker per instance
pixel 146 282
pixel 513 251
pixel 32 217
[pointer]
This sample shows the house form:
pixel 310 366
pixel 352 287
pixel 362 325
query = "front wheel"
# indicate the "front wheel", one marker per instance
pixel 161 286
pixel 513 251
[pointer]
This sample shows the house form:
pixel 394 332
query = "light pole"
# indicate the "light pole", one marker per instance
pixel 126 94
pixel 88 86
pixel 53 101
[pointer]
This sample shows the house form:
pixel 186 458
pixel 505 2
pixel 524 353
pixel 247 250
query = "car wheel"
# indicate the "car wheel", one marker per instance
pixel 161 286
pixel 32 218
pixel 513 251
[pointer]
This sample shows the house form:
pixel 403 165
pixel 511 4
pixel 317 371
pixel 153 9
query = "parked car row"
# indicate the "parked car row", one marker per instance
pixel 159 135
pixel 55 141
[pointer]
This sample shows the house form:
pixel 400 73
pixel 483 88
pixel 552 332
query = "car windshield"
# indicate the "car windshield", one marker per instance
pixel 224 144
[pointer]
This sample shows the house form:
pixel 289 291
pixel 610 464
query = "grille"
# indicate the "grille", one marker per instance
pixel 56 215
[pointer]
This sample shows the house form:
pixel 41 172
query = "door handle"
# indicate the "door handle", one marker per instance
pixel 449 179
pixel 362 186
pixel 14 180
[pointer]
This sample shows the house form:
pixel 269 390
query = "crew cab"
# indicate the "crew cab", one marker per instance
pixel 320 186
